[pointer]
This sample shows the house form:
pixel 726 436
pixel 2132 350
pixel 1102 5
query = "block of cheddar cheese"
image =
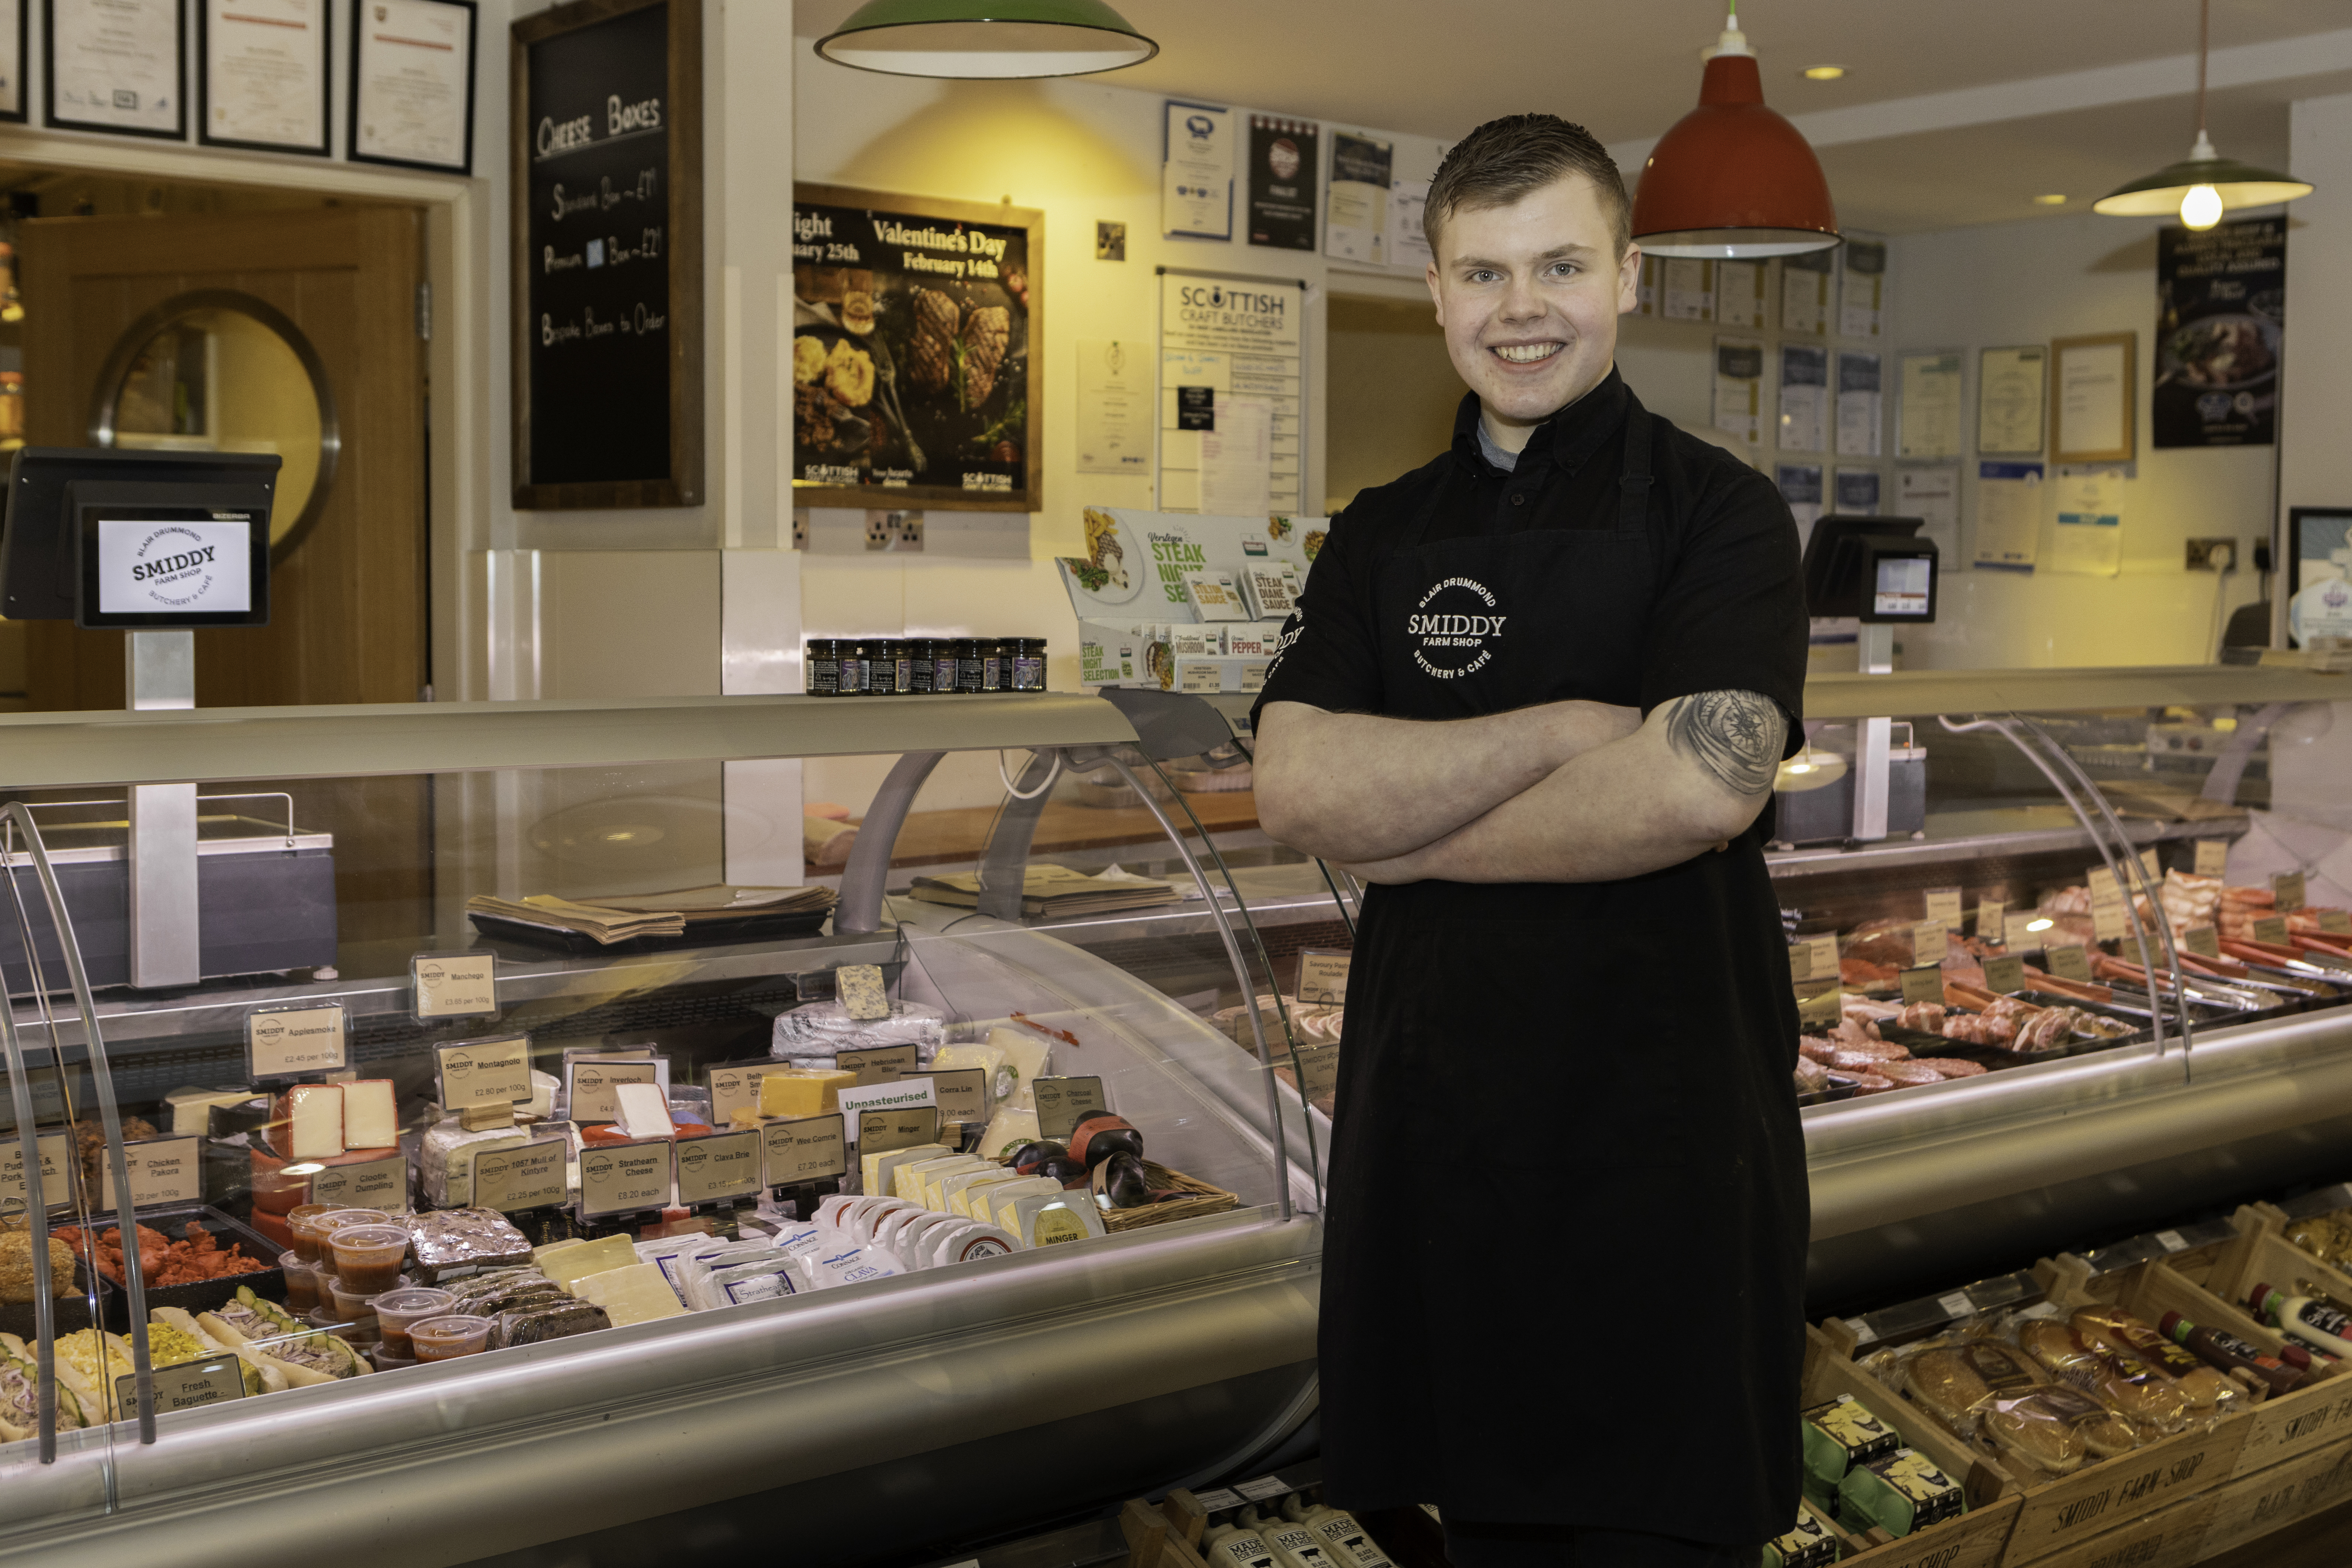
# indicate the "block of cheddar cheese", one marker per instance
pixel 804 1092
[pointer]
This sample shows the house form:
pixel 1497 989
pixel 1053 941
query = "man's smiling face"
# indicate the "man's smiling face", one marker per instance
pixel 1529 295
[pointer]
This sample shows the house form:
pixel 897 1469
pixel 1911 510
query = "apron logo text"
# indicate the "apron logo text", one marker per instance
pixel 1453 642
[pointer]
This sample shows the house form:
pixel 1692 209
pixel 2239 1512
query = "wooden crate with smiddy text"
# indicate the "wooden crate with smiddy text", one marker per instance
pixel 2253 1506
pixel 2171 1537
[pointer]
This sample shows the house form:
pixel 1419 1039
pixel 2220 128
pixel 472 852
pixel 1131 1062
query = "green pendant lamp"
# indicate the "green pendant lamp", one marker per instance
pixel 986 38
pixel 2205 185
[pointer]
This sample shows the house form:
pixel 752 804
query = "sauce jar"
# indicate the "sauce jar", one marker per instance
pixel 1024 659
pixel 852 668
pixel 395 1309
pixel 923 656
pixel 368 1257
pixel 450 1336
pixel 991 663
pixel 965 653
pixel 886 667
pixel 822 660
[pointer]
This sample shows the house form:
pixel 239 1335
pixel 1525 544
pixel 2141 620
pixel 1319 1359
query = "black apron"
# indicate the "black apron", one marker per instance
pixel 1567 1215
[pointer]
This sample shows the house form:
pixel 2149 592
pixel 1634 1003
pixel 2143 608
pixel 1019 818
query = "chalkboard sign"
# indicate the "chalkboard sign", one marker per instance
pixel 607 165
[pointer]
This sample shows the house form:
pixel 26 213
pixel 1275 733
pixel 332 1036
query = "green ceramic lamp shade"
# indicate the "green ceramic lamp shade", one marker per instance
pixel 2203 185
pixel 986 38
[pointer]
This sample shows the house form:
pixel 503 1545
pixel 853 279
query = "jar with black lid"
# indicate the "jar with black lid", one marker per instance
pixel 924 655
pixel 1025 664
pixel 965 653
pixel 822 663
pixel 991 663
pixel 853 667
pixel 886 667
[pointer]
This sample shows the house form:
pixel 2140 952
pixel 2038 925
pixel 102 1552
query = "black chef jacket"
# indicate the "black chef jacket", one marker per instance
pixel 1567 1213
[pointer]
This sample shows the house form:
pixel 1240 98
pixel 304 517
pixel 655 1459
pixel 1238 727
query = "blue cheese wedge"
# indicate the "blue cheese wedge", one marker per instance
pixel 859 988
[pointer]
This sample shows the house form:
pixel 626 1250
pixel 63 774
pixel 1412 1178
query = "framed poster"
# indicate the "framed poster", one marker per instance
pixel 917 370
pixel 2093 418
pixel 117 67
pixel 261 74
pixel 14 40
pixel 2010 384
pixel 2318 573
pixel 606 150
pixel 413 84
pixel 2220 324
pixel 1284 160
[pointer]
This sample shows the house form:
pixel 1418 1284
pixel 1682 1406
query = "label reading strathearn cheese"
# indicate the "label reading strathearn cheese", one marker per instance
pixel 616 1178
pixel 494 1070
pixel 283 1041
pixel 455 984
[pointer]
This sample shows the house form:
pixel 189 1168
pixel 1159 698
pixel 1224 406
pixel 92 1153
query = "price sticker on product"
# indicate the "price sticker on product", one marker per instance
pixel 373 1185
pixel 897 1127
pixel 454 986
pixel 880 1064
pixel 2108 916
pixel 2270 928
pixel 2337 921
pixel 2202 940
pixel 1318 1071
pixel 280 1042
pixel 2005 977
pixel 1957 1304
pixel 2212 857
pixel 2068 962
pixel 56 1149
pixel 961 1093
pixel 1323 978
pixel 163 1171
pixel 1943 904
pixel 1063 1103
pixel 2286 890
pixel 532 1175
pixel 735 1086
pixel 621 1178
pixel 185 1386
pixel 2172 1241
pixel 1928 941
pixel 1925 983
pixel 805 1148
pixel 722 1167
pixel 494 1070
pixel 1992 920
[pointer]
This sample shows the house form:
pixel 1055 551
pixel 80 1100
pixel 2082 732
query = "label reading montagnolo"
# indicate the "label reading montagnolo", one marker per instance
pixel 494 1070
pixel 280 1042
pixel 455 984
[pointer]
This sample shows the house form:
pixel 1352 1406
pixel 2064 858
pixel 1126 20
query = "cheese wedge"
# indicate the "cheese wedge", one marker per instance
pixel 970 1198
pixel 1029 1052
pixel 192 1108
pixel 908 1178
pixel 371 1114
pixel 539 1252
pixel 569 1264
pixel 635 1293
pixel 804 1092
pixel 860 989
pixel 1041 1219
pixel 935 1194
pixel 880 1170
pixel 1000 1199
pixel 645 1110
pixel 311 1121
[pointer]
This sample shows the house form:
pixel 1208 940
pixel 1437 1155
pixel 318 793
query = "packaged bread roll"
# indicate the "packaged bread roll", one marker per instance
pixel 2142 1396
pixel 2125 1334
pixel 1957 1382
pixel 2055 1429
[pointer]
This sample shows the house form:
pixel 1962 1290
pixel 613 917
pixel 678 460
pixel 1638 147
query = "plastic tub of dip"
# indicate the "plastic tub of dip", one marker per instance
pixel 450 1336
pixel 368 1257
pixel 387 1362
pixel 300 1224
pixel 395 1309
pixel 350 1306
pixel 302 1282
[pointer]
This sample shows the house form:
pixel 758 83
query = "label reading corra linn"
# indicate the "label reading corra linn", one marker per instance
pixel 1992 920
pixel 961 1093
pixel 494 1070
pixel 2286 889
pixel 880 1064
pixel 2212 857
pixel 455 984
pixel 282 1041
pixel 1063 1101
pixel 722 1167
pixel 1318 1070
pixel 2202 940
pixel 163 1171
pixel 1928 941
pixel 54 1194
pixel 1943 904
pixel 593 1084
pixel 2270 928
pixel 618 1178
pixel 1323 978
pixel 376 1185
pixel 185 1386
pixel 735 1086
pixel 529 1177
pixel 897 1127
pixel 2068 962
pixel 2005 976
pixel 1923 983
pixel 805 1148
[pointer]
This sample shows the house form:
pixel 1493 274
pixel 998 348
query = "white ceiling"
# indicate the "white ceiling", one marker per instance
pixel 1628 71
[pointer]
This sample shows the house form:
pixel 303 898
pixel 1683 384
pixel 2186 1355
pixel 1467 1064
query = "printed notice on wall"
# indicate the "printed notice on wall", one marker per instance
pixel 2009 514
pixel 1237 337
pixel 1927 414
pixel 1807 281
pixel 1739 293
pixel 1236 481
pixel 1408 241
pixel 1196 172
pixel 1932 495
pixel 1114 407
pixel 1804 398
pixel 1739 388
pixel 1800 486
pixel 1855 492
pixel 1282 173
pixel 1356 228
pixel 1861 301
pixel 2221 303
pixel 1860 404
pixel 2087 538
pixel 1689 289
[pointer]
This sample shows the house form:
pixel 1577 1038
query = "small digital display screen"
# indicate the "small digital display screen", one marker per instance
pixel 175 566
pixel 1903 585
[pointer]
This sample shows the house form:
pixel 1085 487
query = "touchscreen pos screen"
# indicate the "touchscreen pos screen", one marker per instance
pixel 1903 585
pixel 173 567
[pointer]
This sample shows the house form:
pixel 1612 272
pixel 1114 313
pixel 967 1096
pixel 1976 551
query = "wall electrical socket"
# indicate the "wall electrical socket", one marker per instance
pixel 2212 555
pixel 896 532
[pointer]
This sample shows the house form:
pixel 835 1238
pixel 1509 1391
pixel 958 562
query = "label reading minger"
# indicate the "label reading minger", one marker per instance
pixel 280 1042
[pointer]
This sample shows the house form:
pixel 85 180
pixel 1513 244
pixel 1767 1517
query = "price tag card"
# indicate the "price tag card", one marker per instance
pixel 1925 983
pixel 593 1084
pixel 48 1097
pixel 2287 887
pixel 880 1064
pixel 375 1184
pixel 897 1127
pixel 2270 928
pixel 528 1176
pixel 280 1042
pixel 621 1178
pixel 454 986
pixel 1928 941
pixel 805 1148
pixel 186 1386
pixel 1992 920
pixel 1800 963
pixel 1957 1304
pixel 735 1086
pixel 723 1166
pixel 2108 916
pixel 961 1093
pixel 493 1071
pixel 1817 1004
pixel 2005 976
pixel 1825 955
pixel 2337 921
pixel 163 1171
pixel 1318 1071
pixel 1323 978
pixel 2068 962
pixel 2202 940
pixel 2172 1241
pixel 1263 1487
pixel 2020 932
pixel 2150 864
pixel 1063 1103
pixel 1943 904
pixel 56 1149
pixel 2212 857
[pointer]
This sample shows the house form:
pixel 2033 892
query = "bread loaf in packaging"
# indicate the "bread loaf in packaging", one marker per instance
pixel 2055 1429
pixel 2132 1337
pixel 2151 1402
pixel 1957 1382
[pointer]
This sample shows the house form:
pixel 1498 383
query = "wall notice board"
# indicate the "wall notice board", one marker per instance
pixel 607 165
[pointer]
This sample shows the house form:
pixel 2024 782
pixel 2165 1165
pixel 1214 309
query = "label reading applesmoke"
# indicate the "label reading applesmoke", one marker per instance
pixel 1063 1101
pixel 804 1149
pixel 616 1178
pixel 529 1177
pixel 455 984
pixel 494 1070
pixel 376 1185
pixel 2068 962
pixel 282 1041
pixel 878 1064
pixel 1323 978
pixel 961 1093
pixel 720 1166
pixel 186 1386
pixel 163 1171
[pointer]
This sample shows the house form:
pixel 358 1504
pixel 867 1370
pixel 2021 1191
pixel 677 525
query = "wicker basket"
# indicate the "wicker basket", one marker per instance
pixel 1200 1199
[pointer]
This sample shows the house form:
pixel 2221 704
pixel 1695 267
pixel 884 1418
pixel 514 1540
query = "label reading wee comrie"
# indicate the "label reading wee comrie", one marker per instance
pixel 163 1171
pixel 376 1185
pixel 282 1041
pixel 529 1177
pixel 1318 1070
pixel 592 1088
pixel 2212 857
pixel 722 1167
pixel 1928 941
pixel 2068 962
pixel 1943 904
pixel 2005 976
pixel 454 986
pixel 2202 940
pixel 804 1149
pixel 618 1178
pixel 1063 1103
pixel 56 1149
pixel 2286 890
pixel 1925 983
pixel 493 1071
pixel 961 1093
pixel 897 1127
pixel 1323 978
pixel 880 1064
pixel 1992 920
pixel 735 1086
pixel 2108 916
pixel 2270 928
pixel 186 1386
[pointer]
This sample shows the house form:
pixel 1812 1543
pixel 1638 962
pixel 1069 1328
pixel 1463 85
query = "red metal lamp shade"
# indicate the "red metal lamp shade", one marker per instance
pixel 1733 180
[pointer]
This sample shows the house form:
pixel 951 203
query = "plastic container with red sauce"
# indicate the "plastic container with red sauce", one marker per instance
pixel 306 1234
pixel 350 1306
pixel 368 1257
pixel 450 1336
pixel 302 1282
pixel 397 1310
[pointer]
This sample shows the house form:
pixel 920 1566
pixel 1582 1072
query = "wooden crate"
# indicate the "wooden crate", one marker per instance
pixel 2252 1506
pixel 2171 1537
pixel 2263 1254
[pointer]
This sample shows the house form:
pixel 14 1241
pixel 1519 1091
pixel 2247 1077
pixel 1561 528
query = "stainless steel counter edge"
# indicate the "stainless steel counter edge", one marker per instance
pixel 1858 696
pixel 443 1465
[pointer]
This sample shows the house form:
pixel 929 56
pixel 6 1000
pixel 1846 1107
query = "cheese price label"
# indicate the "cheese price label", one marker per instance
pixel 897 1127
pixel 1063 1103
pixel 618 1178
pixel 722 1167
pixel 56 1149
pixel 1925 983
pixel 2069 963
pixel 493 1072
pixel 735 1086
pixel 2005 976
pixel 163 1171
pixel 880 1064
pixel 594 1093
pixel 2108 916
pixel 1992 920
pixel 1928 941
pixel 2202 940
pixel 1323 978
pixel 2270 928
pixel 282 1041
pixel 529 1177
pixel 2337 921
pixel 2212 857
pixel 805 1148
pixel 185 1386
pixel 455 984
pixel 960 1093
pixel 1318 1071
pixel 376 1185
pixel 2286 889
pixel 1943 904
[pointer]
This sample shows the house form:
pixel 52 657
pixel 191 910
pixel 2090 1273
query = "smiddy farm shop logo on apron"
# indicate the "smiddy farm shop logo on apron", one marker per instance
pixel 1453 626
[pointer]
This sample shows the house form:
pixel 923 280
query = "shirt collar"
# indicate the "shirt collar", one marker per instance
pixel 1565 441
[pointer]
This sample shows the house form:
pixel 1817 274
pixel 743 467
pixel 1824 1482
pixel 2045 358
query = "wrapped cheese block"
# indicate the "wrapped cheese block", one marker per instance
pixel 570 1265
pixel 810 1036
pixel 633 1293
pixel 804 1092
pixel 880 1170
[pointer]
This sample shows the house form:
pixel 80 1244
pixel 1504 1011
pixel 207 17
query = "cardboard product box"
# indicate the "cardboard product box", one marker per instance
pixel 1109 655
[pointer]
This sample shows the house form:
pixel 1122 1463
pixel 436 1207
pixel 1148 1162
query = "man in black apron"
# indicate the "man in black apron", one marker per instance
pixel 1535 694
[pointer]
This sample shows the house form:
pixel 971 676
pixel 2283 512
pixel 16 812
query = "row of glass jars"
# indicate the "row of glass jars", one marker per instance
pixel 895 667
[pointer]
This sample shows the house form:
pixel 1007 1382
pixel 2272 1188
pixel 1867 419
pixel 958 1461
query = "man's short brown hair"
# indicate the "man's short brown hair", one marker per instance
pixel 1505 159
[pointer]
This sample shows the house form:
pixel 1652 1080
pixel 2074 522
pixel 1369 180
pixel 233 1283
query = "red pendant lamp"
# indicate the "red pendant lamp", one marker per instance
pixel 1733 181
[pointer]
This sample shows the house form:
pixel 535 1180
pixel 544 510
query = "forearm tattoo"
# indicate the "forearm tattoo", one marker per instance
pixel 1735 735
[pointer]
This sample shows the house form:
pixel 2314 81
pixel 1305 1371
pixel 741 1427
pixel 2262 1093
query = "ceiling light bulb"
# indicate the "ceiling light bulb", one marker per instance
pixel 2201 208
pixel 1823 73
pixel 2054 199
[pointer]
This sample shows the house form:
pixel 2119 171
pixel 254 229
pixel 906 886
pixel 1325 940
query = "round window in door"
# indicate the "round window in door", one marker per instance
pixel 220 370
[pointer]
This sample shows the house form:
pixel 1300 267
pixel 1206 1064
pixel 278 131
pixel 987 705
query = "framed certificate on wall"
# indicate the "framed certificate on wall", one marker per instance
pixel 118 68
pixel 413 84
pixel 2094 415
pixel 13 40
pixel 261 74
